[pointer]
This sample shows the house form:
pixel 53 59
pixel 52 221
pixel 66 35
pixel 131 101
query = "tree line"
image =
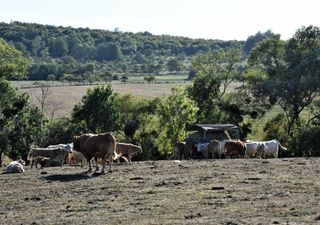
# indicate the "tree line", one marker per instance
pixel 81 53
pixel 286 73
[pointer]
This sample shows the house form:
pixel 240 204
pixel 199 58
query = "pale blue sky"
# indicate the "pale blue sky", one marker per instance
pixel 210 19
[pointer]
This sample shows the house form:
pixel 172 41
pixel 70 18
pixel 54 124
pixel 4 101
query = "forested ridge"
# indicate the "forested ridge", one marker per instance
pixel 63 51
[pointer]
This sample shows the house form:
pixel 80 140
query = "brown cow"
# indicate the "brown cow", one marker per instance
pixel 127 150
pixel 234 148
pixel 180 150
pixel 96 145
pixel 190 150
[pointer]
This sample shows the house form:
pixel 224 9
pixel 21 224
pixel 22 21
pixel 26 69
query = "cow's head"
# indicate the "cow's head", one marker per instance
pixel 139 149
pixel 69 148
pixel 76 143
pixel 261 149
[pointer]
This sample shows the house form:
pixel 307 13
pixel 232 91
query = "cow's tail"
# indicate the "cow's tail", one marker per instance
pixel 29 157
pixel 115 154
pixel 282 147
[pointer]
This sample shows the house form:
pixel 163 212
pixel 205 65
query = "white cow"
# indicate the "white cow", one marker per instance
pixel 66 147
pixel 273 148
pixel 255 149
pixel 202 147
pixel 14 167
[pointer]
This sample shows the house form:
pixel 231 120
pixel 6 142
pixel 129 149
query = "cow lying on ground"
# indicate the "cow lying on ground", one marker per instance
pixel 234 149
pixel 179 149
pixel 215 149
pixel 96 145
pixel 75 157
pixel 127 150
pixel 56 155
pixel 14 167
pixel 255 149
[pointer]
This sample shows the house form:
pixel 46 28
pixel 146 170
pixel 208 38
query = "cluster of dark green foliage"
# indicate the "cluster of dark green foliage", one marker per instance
pixel 75 54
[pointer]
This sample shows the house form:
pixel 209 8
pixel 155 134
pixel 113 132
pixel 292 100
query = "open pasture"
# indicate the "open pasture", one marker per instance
pixel 63 98
pixel 229 192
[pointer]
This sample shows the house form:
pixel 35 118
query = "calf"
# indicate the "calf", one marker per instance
pixel 75 157
pixel 43 161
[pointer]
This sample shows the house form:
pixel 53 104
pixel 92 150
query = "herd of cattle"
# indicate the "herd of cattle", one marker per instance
pixel 228 149
pixel 99 147
pixel 104 148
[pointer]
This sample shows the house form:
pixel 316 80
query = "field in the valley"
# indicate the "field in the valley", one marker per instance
pixel 63 98
pixel 229 192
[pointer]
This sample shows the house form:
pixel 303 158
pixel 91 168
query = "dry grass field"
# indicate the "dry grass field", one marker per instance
pixel 228 192
pixel 63 98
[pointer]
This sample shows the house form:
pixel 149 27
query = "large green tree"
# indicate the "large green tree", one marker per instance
pixel 175 112
pixel 215 71
pixel 20 124
pixel 98 111
pixel 12 64
pixel 289 74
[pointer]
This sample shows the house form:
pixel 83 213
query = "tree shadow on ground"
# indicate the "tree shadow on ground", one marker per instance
pixel 68 177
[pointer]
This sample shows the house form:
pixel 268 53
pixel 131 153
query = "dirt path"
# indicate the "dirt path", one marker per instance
pixel 274 191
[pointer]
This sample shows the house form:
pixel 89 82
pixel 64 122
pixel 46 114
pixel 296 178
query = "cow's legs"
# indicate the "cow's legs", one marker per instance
pixel 110 163
pixel 96 161
pixel 104 164
pixel 90 167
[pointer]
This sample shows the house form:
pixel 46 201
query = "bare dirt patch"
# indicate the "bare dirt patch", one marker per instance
pixel 273 191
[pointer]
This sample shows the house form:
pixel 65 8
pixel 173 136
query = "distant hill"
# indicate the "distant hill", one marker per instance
pixel 83 53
